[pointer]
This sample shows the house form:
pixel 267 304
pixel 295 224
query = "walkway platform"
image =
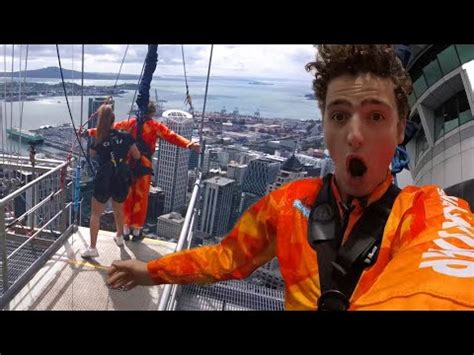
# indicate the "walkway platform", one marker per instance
pixel 68 282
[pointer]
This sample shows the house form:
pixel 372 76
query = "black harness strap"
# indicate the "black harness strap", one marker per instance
pixel 144 149
pixel 137 168
pixel 340 267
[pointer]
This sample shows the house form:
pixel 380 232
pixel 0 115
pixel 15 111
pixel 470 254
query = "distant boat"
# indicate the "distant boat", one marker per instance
pixel 259 83
pixel 26 136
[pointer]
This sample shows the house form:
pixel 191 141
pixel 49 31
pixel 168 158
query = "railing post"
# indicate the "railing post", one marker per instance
pixel 62 200
pixel 3 241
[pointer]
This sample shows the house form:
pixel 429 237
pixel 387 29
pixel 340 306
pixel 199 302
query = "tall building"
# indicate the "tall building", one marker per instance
pixel 260 173
pixel 193 160
pixel 236 171
pixel 168 226
pixel 246 200
pixel 442 104
pixel 172 169
pixel 291 170
pixel 210 159
pixel 156 204
pixel 216 205
pixel 235 152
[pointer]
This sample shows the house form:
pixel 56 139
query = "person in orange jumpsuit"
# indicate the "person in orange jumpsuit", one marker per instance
pixel 136 204
pixel 425 257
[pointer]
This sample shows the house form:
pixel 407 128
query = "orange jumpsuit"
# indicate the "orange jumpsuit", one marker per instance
pixel 426 259
pixel 136 204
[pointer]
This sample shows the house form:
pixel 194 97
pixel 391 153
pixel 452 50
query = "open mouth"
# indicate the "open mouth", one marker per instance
pixel 357 167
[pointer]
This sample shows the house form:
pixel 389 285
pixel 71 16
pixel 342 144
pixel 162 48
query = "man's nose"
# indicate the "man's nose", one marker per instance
pixel 355 137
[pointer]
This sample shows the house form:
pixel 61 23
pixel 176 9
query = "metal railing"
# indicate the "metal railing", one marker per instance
pixel 25 247
pixel 169 293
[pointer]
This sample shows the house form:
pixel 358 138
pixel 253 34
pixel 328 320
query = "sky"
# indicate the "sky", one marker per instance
pixel 265 61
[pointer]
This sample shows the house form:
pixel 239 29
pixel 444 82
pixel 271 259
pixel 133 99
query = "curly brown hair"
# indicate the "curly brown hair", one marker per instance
pixel 381 60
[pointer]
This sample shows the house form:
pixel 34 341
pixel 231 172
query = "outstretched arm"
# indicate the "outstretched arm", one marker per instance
pixel 248 246
pixel 170 136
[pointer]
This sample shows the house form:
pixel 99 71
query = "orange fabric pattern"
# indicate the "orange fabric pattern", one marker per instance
pixel 426 259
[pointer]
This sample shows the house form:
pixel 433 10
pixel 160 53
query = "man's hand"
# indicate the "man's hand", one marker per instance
pixel 126 274
pixel 195 146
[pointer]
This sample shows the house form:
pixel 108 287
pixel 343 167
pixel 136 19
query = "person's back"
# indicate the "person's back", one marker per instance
pixel 113 176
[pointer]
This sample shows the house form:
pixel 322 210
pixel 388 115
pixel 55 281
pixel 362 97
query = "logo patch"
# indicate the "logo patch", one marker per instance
pixel 302 208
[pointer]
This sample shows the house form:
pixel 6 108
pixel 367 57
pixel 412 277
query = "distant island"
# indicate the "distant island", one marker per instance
pixel 33 91
pixel 259 83
pixel 54 73
pixel 310 96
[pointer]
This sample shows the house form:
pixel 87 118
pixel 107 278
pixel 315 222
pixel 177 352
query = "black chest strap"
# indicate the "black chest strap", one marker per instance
pixel 340 266
pixel 141 145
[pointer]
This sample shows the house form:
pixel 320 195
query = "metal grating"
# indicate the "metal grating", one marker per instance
pixel 22 260
pixel 230 295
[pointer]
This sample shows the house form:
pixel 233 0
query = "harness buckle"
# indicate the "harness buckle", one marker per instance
pixel 333 300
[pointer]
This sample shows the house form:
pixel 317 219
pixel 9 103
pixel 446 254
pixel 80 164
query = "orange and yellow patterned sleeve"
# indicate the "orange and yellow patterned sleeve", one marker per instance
pixel 432 267
pixel 170 136
pixel 249 245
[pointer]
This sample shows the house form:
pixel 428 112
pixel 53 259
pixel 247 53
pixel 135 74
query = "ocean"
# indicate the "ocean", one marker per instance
pixel 273 98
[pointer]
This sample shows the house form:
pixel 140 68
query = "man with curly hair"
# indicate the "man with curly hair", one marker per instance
pixel 352 240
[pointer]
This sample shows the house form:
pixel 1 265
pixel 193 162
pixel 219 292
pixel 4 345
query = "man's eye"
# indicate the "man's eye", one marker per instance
pixel 338 116
pixel 376 116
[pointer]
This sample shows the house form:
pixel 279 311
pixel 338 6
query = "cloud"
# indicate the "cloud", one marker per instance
pixel 275 61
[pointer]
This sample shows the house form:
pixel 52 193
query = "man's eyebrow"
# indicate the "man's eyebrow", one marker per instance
pixel 339 102
pixel 372 101
pixel 375 102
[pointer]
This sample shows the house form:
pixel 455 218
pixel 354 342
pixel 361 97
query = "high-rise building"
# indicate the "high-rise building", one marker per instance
pixel 172 170
pixel 260 173
pixel 210 159
pixel 246 200
pixel 442 105
pixel 168 226
pixel 291 170
pixel 156 204
pixel 216 205
pixel 236 171
pixel 193 160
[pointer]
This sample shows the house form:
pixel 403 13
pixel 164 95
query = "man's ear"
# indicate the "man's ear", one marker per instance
pixel 401 130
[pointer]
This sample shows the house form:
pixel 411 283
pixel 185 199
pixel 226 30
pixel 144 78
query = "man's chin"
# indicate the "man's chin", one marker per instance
pixel 355 186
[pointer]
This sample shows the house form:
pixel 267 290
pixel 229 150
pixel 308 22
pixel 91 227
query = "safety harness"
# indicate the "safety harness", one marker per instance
pixel 115 162
pixel 138 169
pixel 340 266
